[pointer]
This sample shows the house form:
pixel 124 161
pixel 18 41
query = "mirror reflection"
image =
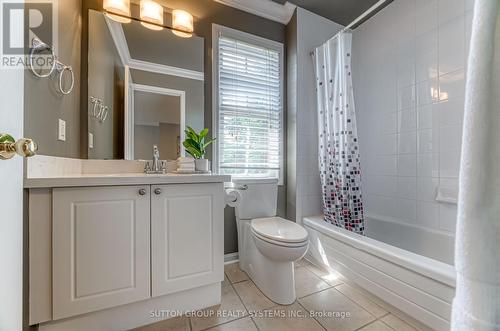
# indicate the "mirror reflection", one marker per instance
pixel 144 87
pixel 158 120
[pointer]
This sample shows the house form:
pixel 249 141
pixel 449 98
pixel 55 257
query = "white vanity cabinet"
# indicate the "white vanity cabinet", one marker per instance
pixel 186 236
pixel 108 250
pixel 101 248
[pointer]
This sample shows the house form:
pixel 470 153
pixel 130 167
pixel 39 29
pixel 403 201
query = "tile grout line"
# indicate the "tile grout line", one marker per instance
pixel 326 289
pixel 317 276
pixel 314 318
pixel 227 322
pixel 224 323
pixel 278 305
pixel 390 327
pixel 243 303
pixel 255 323
pixel 389 309
pixel 364 296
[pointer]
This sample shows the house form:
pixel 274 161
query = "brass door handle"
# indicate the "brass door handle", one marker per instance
pixel 9 147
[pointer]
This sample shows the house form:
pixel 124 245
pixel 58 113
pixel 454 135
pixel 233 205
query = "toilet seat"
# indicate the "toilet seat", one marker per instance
pixel 279 231
pixel 280 243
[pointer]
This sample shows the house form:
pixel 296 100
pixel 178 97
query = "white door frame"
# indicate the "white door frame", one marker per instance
pixel 129 113
pixel 11 192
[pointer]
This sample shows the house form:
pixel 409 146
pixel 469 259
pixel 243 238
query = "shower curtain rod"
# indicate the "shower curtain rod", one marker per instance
pixel 363 17
pixel 367 14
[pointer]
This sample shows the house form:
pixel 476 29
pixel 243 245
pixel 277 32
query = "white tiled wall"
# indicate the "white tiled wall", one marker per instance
pixel 409 84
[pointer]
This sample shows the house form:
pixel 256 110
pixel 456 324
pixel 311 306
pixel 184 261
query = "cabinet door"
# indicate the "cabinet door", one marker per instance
pixel 101 248
pixel 187 236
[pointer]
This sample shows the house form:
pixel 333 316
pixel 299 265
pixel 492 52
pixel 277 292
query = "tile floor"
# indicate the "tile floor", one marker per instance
pixel 247 309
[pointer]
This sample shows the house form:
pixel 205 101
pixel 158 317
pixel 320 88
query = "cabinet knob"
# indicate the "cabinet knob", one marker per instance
pixel 158 191
pixel 142 191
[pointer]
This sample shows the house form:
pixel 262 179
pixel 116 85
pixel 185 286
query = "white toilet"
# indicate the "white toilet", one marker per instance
pixel 268 245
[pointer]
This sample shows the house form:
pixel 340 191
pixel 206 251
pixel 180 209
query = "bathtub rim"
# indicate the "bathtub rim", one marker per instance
pixel 423 265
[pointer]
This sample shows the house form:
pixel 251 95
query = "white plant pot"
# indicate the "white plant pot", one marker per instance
pixel 202 165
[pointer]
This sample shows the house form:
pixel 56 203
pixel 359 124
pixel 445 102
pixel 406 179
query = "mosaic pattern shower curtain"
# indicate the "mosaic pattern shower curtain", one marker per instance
pixel 338 138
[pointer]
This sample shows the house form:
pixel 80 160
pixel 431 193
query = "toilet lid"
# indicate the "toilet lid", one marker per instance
pixel 279 229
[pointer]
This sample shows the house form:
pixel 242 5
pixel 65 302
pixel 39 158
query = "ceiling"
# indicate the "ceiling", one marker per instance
pixel 339 11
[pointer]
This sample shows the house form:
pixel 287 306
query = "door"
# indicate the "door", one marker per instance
pixel 101 248
pixel 11 195
pixel 187 228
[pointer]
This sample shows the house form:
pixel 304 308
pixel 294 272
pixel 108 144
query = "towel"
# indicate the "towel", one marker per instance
pixel 477 250
pixel 185 164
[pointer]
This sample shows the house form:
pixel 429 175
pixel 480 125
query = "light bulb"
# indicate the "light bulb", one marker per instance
pixel 120 7
pixel 151 12
pixel 182 22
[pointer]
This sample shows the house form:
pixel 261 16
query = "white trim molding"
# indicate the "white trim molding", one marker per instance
pixel 264 8
pixel 217 32
pixel 120 41
pixel 231 258
pixel 156 90
pixel 118 36
pixel 166 70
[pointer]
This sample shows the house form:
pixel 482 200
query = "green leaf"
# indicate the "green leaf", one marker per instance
pixel 7 138
pixel 192 134
pixel 203 133
pixel 208 143
pixel 193 152
pixel 195 143
pixel 192 143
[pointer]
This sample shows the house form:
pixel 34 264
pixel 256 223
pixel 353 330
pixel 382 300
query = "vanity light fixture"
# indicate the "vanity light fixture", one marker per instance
pixel 151 16
pixel 182 23
pixel 119 7
pixel 151 12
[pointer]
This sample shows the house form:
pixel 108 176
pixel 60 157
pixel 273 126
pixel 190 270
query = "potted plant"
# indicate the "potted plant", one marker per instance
pixel 196 145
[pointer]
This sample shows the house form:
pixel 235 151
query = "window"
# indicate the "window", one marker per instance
pixel 248 104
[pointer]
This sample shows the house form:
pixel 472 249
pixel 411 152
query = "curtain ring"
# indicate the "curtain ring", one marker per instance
pixel 65 68
pixel 38 45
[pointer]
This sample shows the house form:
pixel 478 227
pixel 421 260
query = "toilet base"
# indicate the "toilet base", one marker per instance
pixel 275 279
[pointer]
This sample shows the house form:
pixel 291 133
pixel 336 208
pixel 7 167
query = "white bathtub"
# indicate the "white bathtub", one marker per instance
pixel 417 285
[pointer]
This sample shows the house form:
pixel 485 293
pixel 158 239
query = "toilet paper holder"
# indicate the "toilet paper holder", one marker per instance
pixel 241 188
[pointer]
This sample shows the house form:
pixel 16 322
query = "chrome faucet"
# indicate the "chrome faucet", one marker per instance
pixel 158 166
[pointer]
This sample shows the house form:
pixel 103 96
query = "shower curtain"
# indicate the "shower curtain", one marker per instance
pixel 338 138
pixel 477 246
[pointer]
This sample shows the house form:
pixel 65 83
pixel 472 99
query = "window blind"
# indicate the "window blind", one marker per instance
pixel 250 110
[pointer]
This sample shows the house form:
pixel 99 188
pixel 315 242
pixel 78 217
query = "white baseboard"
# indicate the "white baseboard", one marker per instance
pixel 231 258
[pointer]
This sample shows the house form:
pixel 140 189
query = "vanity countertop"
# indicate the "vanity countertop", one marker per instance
pixel 80 180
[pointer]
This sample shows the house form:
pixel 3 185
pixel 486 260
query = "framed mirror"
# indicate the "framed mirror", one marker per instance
pixel 144 87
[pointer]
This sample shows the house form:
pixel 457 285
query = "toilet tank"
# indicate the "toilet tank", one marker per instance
pixel 259 198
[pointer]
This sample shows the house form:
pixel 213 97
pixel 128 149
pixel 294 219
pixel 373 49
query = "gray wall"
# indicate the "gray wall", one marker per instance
pixel 160 113
pixel 104 64
pixel 163 47
pixel 194 93
pixel 205 12
pixel 169 140
pixel 145 137
pixel 44 105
